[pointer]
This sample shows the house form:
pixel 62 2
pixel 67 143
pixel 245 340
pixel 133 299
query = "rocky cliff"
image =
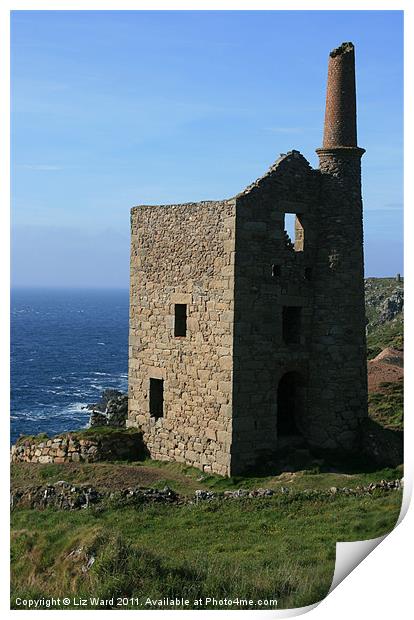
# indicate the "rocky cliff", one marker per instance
pixel 384 304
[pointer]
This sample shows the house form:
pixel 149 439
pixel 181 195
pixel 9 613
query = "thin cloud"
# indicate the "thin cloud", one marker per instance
pixel 40 167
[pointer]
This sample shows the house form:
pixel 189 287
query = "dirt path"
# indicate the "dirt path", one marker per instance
pixel 386 367
pixel 108 476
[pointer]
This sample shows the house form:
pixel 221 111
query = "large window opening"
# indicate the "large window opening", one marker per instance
pixel 290 405
pixel 292 324
pixel 180 320
pixel 295 232
pixel 156 398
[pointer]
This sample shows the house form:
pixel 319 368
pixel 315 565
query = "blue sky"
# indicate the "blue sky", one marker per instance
pixel 116 108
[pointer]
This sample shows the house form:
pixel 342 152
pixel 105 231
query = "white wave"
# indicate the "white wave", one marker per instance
pixel 28 415
pixel 102 373
pixel 97 386
pixel 103 343
pixel 75 408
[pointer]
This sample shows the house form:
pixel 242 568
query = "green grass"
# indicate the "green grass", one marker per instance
pixel 390 334
pixel 299 480
pixel 387 406
pixel 282 547
pixel 96 432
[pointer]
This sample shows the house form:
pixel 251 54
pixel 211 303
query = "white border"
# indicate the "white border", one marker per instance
pixel 379 587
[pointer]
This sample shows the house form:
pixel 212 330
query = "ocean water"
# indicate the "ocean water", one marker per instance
pixel 67 346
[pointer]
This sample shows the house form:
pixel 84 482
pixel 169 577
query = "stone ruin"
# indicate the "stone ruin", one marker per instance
pixel 245 340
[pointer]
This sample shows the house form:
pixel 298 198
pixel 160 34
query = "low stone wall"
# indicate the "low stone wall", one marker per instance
pixel 66 496
pixel 69 448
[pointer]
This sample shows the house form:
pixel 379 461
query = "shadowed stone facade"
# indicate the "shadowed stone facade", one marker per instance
pixel 243 340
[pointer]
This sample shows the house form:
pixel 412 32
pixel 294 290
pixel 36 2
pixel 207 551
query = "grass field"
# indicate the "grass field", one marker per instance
pixel 389 334
pixel 386 407
pixel 282 547
pixel 278 548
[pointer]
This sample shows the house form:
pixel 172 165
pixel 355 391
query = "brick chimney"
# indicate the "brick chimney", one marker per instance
pixel 340 129
pixel 340 113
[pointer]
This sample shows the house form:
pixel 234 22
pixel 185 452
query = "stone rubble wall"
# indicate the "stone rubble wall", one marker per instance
pixel 65 496
pixel 183 254
pixel 67 449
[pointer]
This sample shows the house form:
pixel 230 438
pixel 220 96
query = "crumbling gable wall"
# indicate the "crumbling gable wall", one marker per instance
pixel 272 274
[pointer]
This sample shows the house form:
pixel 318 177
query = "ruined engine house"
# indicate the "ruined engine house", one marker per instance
pixel 243 338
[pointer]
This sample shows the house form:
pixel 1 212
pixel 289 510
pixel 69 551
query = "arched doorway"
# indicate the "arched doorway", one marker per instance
pixel 291 396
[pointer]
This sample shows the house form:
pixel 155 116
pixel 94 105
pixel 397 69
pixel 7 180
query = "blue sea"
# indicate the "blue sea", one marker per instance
pixel 67 346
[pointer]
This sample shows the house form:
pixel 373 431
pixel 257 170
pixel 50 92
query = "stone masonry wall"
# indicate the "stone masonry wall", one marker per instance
pixel 338 373
pixel 70 449
pixel 183 254
pixel 271 273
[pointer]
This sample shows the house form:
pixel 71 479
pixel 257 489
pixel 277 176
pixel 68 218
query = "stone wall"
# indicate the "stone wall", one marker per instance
pixel 183 254
pixel 71 449
pixel 338 375
pixel 66 496
pixel 273 272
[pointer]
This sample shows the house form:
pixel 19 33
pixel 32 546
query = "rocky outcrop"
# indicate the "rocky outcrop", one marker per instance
pixel 72 448
pixel 111 410
pixel 392 306
pixel 392 356
pixel 106 396
pixel 117 411
pixel 384 301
